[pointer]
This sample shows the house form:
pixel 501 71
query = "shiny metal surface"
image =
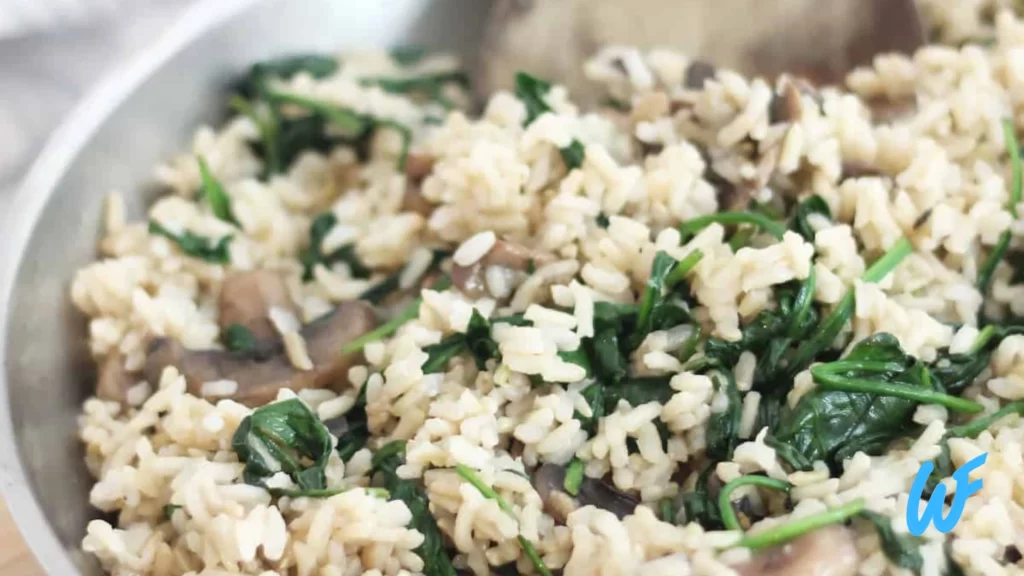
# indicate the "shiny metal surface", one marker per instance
pixel 138 116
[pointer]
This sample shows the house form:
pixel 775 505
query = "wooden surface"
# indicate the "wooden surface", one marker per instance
pixel 15 558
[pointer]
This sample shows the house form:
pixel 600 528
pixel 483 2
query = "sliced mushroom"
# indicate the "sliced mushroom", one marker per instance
pixel 417 168
pixel 247 297
pixel 262 372
pixel 114 380
pixel 697 73
pixel 471 280
pixel 829 551
pixel 787 103
pixel 549 481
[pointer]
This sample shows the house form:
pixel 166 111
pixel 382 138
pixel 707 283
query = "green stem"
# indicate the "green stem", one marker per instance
pixel 801 526
pixel 470 476
pixel 349 121
pixel 267 127
pixel 831 381
pixel 1013 148
pixel 982 340
pixel 689 348
pixel 725 496
pixel 830 327
pixel 975 427
pixel 386 329
pixel 803 302
pixel 678 274
pixel 692 226
pixel 988 267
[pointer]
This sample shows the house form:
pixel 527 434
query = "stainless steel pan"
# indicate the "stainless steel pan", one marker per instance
pixel 139 115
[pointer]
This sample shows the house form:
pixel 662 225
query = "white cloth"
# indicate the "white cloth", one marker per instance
pixel 43 74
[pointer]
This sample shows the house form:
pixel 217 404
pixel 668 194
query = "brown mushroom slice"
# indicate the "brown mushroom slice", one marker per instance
pixel 417 168
pixel 471 280
pixel 113 379
pixel 549 480
pixel 829 551
pixel 247 297
pixel 262 372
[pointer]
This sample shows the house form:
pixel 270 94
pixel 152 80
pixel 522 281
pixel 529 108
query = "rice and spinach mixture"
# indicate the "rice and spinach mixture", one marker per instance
pixel 714 326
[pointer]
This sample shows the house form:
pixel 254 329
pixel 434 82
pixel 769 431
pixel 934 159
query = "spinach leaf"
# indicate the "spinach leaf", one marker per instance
pixel 594 396
pixel 477 341
pixel 723 430
pixel 438 355
pixel 215 195
pixel 430 85
pixel 357 434
pixel 238 338
pixel 194 245
pixel 533 92
pixel 828 329
pixel 407 55
pixel 660 269
pixel 386 461
pixel 313 254
pixel 284 436
pixel 811 205
pixel 352 126
pixel 700 505
pixel 638 391
pixel 281 139
pixel 573 477
pixel 902 550
pixel 955 372
pixel 255 82
pixel 988 267
pixel 862 403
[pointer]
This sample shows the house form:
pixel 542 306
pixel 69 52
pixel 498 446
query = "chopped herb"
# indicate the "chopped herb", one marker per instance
pixel 194 245
pixel 238 338
pixel 287 437
pixel 470 476
pixel 215 195
pixel 603 221
pixel 573 477
pixel 725 496
pixel 573 155
pixel 796 528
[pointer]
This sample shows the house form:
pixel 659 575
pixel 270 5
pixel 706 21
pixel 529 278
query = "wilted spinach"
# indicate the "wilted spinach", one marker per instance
pixel 533 93
pixel 380 291
pixel 386 461
pixel 988 267
pixel 287 437
pixel 356 433
pixel 902 550
pixel 862 403
pixel 195 245
pixel 810 205
pixel 429 85
pixel 313 254
pixel 214 193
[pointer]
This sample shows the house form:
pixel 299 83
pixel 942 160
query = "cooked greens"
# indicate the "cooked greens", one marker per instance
pixel 988 267
pixel 238 338
pixel 385 463
pixel 903 550
pixel 533 93
pixel 470 476
pixel 215 195
pixel 194 245
pixel 287 437
pixel 313 254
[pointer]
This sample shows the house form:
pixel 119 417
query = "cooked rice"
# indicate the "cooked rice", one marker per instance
pixel 938 176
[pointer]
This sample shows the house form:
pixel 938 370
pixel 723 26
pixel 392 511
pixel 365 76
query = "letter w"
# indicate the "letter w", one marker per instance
pixel 933 509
